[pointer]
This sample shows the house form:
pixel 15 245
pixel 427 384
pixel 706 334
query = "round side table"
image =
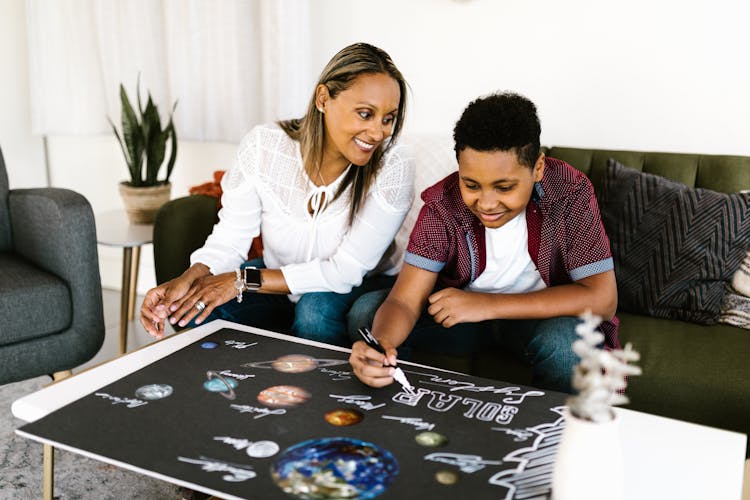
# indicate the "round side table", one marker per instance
pixel 113 228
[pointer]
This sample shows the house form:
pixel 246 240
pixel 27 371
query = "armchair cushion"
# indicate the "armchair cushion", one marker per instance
pixel 34 302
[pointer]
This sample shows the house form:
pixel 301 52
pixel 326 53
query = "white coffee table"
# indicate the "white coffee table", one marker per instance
pixel 663 458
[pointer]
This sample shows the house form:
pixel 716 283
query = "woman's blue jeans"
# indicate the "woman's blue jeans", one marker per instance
pixel 546 344
pixel 319 316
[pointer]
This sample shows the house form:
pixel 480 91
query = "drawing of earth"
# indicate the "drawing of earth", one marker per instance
pixel 322 469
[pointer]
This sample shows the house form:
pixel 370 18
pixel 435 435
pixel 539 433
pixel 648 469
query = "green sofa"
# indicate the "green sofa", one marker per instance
pixel 690 372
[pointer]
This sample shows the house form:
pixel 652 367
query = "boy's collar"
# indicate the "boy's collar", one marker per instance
pixel 538 193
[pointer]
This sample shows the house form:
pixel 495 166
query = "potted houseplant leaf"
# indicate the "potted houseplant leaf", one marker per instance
pixel 144 143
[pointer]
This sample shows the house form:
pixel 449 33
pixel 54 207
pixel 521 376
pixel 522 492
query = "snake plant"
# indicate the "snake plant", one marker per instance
pixel 144 142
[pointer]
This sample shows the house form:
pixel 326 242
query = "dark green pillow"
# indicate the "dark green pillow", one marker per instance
pixel 674 247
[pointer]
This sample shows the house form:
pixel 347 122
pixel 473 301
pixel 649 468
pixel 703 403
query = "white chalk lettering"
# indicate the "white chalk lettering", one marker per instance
pixel 128 402
pixel 418 423
pixel 514 394
pixel 236 473
pixel 466 463
pixel 337 374
pixel 519 435
pixel 239 444
pixel 236 344
pixel 238 376
pixel 262 412
pixel 410 399
pixel 362 402
pixel 442 403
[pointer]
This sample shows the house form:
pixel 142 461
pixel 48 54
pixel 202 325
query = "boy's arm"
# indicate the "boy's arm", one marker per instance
pixel 393 322
pixel 597 293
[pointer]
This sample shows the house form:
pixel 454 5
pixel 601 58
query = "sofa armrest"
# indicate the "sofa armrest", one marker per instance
pixel 54 229
pixel 181 227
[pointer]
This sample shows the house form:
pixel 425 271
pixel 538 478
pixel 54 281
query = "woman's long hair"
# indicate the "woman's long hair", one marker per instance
pixel 338 75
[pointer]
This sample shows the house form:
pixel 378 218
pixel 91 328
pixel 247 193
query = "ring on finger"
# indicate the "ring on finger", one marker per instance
pixel 200 305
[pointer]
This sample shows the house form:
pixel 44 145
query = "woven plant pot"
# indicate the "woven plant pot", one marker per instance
pixel 142 203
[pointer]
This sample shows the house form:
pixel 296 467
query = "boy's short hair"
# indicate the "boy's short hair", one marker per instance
pixel 504 121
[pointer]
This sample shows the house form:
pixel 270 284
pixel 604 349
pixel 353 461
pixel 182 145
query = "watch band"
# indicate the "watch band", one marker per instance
pixel 239 284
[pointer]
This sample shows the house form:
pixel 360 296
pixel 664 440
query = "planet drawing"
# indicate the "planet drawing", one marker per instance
pixel 294 363
pixel 223 385
pixel 153 392
pixel 338 467
pixel 343 417
pixel 262 449
pixel 431 439
pixel 283 396
pixel 290 363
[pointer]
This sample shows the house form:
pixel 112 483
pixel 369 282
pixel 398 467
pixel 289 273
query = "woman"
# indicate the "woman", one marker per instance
pixel 328 192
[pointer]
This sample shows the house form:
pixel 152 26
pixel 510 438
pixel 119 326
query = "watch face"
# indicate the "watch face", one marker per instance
pixel 239 284
pixel 252 278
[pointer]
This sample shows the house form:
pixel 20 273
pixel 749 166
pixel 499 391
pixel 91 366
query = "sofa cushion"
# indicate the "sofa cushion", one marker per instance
pixel 35 303
pixel 688 373
pixel 674 247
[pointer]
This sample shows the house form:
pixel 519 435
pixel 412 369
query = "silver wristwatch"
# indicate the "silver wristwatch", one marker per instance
pixel 247 279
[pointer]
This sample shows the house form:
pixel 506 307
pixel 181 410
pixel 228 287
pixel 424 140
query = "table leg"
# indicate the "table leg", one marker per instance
pixel 133 282
pixel 49 472
pixel 127 261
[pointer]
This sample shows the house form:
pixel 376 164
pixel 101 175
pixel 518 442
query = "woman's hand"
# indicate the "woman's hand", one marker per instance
pixel 206 294
pixel 161 301
pixel 370 366
pixel 167 298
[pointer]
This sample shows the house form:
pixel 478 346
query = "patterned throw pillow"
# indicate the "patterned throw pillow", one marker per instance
pixel 735 307
pixel 674 247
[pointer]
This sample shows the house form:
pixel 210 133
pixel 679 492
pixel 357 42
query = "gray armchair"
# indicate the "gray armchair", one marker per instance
pixel 51 316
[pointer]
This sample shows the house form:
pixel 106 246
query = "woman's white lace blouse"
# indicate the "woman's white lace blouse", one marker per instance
pixel 268 191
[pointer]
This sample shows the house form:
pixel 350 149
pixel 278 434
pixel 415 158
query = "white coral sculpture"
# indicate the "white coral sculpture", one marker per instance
pixel 600 376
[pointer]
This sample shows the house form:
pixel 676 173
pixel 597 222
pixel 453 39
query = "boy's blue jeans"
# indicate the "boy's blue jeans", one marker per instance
pixel 546 344
pixel 319 316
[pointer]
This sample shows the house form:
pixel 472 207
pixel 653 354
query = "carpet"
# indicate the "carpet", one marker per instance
pixel 76 477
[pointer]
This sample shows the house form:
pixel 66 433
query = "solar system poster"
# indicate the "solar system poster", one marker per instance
pixel 246 415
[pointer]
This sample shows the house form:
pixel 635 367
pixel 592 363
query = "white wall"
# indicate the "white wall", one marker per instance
pixel 662 75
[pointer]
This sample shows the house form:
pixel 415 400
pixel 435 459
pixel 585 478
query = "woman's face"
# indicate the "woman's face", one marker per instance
pixel 495 185
pixel 359 118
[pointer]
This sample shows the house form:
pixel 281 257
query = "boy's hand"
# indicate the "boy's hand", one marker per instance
pixel 451 306
pixel 370 366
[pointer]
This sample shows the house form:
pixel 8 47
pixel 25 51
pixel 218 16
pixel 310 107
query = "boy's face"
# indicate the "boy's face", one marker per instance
pixel 494 185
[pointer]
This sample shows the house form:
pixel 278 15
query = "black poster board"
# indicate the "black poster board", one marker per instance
pixel 500 443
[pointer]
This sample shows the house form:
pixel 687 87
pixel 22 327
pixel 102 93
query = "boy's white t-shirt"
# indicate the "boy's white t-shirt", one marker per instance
pixel 509 266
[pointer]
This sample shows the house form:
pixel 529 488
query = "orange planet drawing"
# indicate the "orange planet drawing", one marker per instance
pixel 283 396
pixel 343 417
pixel 294 363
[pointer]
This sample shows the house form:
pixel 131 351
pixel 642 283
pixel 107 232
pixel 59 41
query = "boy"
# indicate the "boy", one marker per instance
pixel 507 251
